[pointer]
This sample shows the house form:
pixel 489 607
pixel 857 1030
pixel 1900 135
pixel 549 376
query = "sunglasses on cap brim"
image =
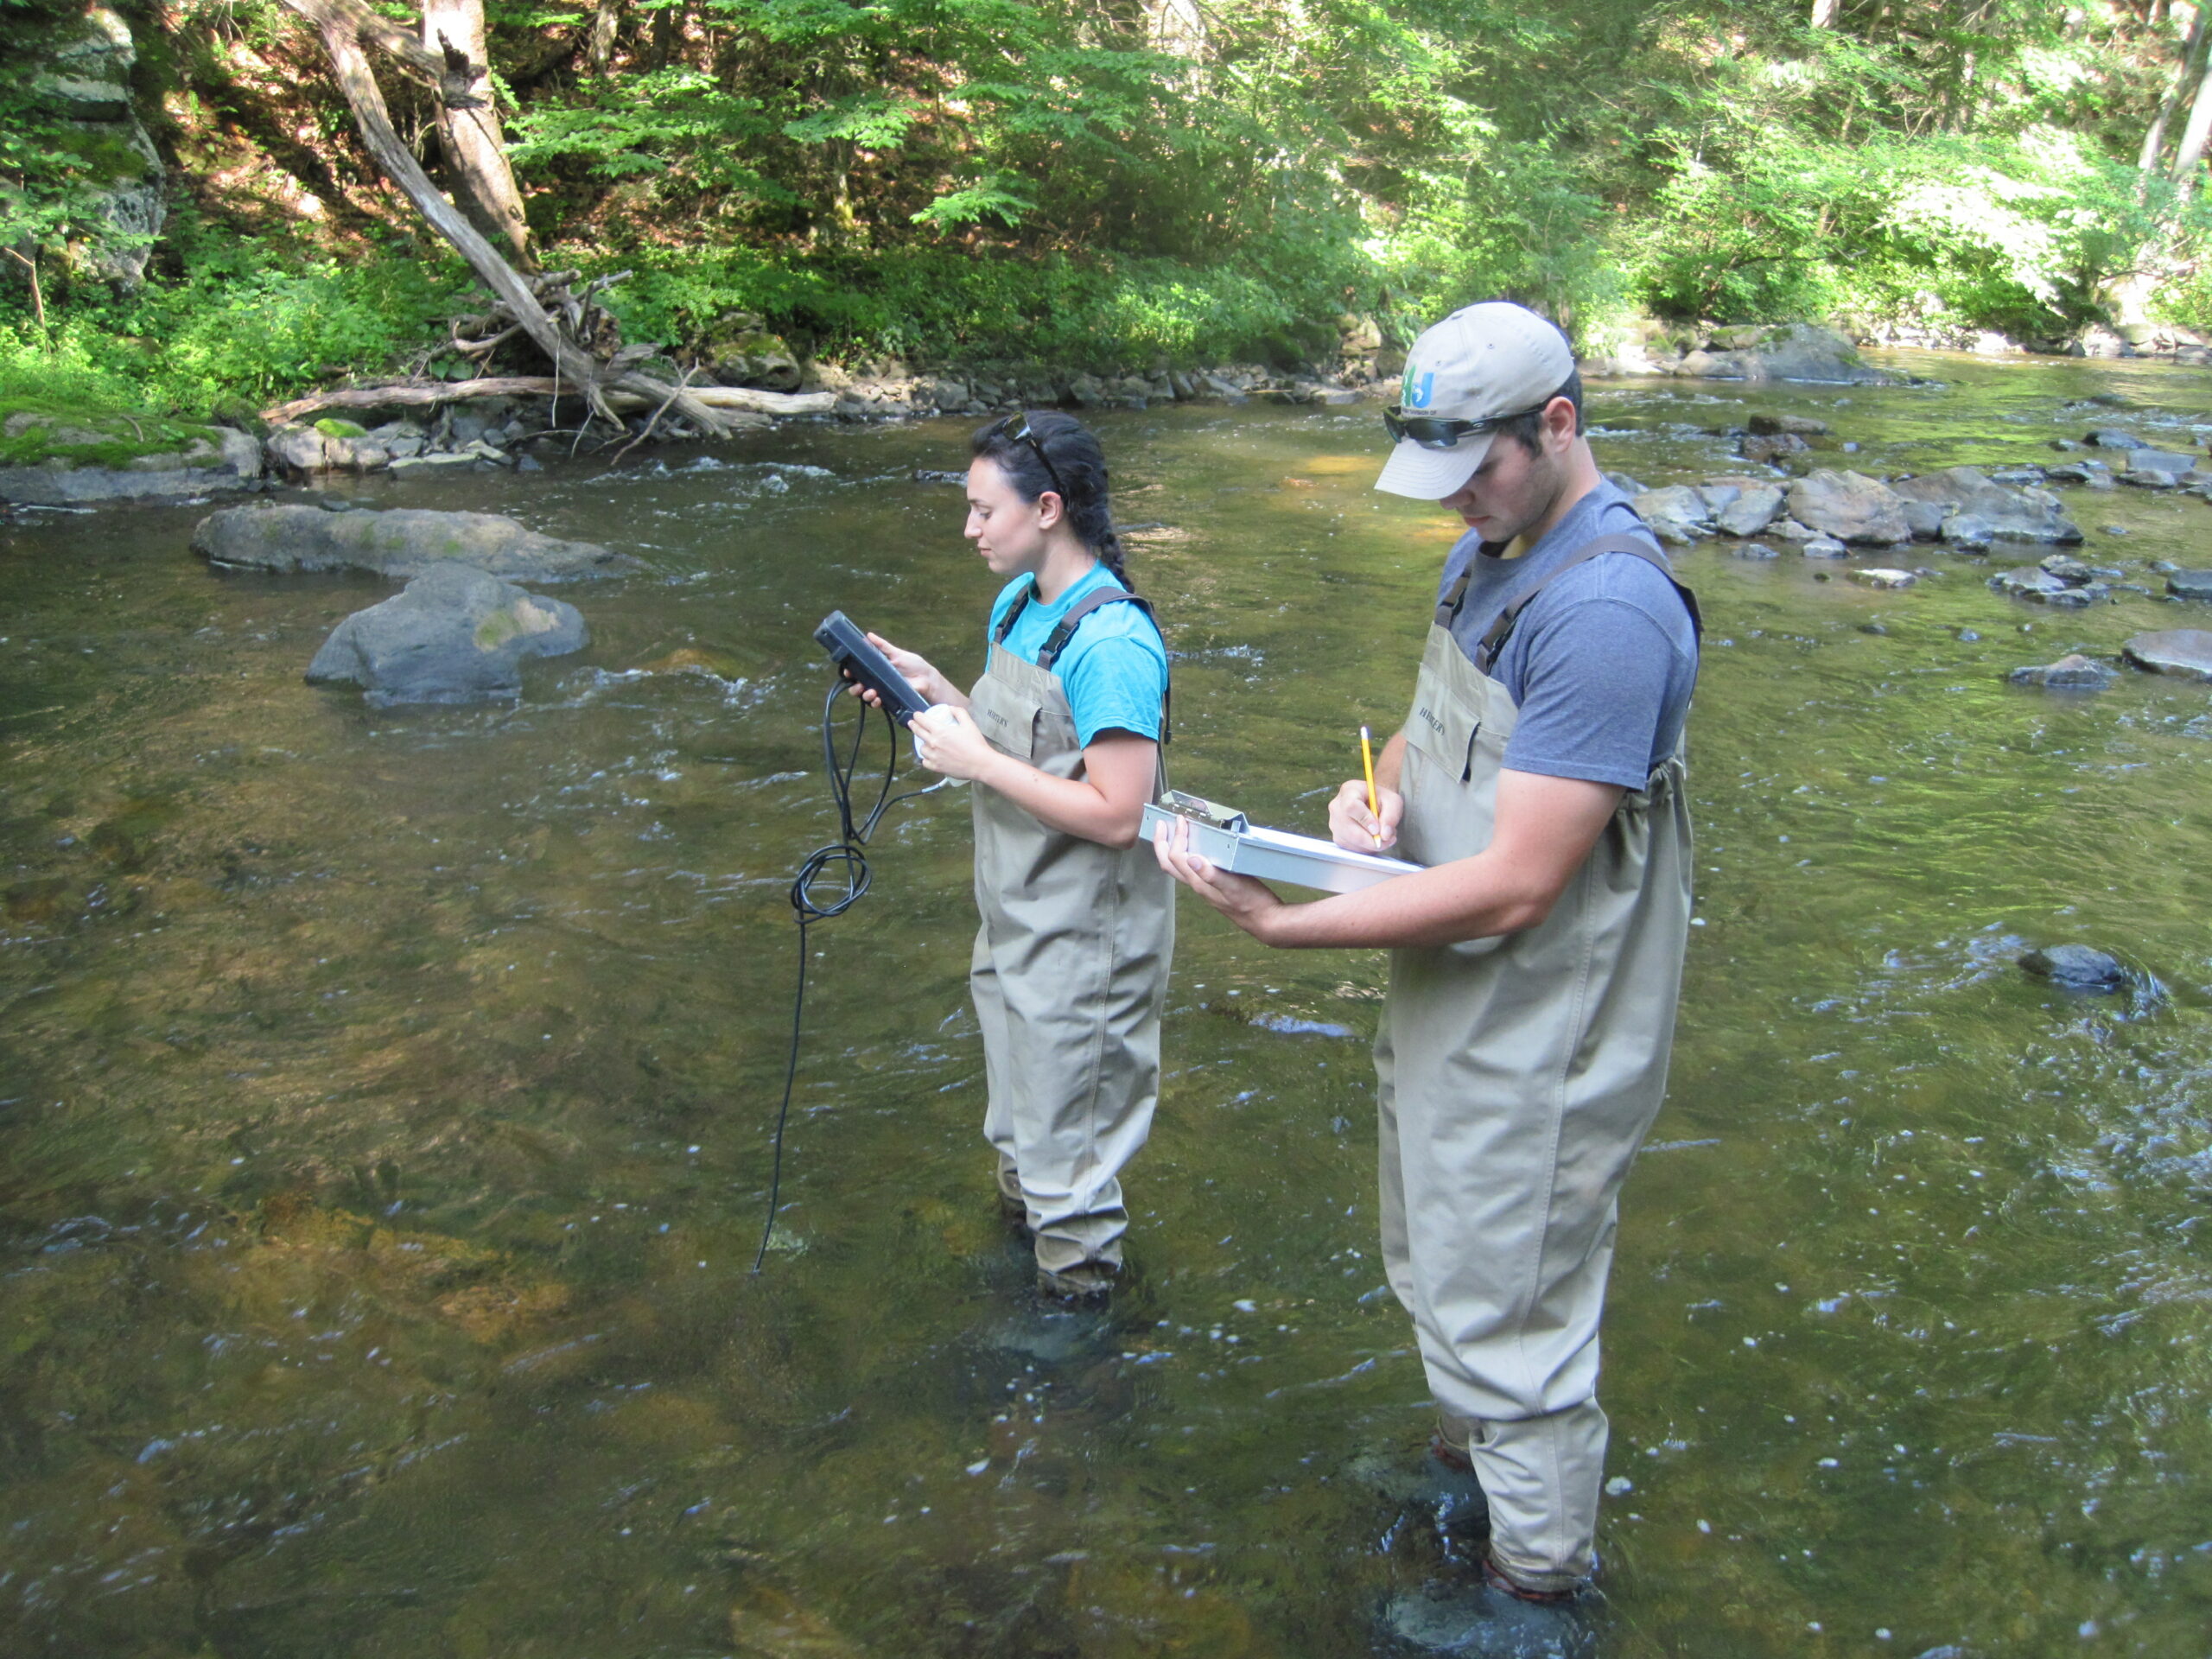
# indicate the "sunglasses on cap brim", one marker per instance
pixel 1441 432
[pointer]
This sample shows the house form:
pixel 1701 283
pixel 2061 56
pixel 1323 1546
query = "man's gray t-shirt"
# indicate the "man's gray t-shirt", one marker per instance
pixel 1601 663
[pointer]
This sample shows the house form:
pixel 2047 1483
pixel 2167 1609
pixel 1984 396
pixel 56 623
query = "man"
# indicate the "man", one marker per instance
pixel 1536 962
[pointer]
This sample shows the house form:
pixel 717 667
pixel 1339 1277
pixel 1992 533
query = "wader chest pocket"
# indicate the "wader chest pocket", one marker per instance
pixel 1444 730
pixel 1005 717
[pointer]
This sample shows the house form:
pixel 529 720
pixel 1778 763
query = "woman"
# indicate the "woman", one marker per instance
pixel 1061 738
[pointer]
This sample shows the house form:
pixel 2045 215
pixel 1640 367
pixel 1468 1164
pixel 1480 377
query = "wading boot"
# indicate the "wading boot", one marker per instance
pixel 1487 1616
pixel 1087 1284
pixel 1439 1491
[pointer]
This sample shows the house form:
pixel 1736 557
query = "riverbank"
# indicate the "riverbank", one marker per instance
pixel 52 456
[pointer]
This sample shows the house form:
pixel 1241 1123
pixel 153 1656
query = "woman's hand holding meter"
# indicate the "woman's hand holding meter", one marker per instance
pixel 947 740
pixel 917 671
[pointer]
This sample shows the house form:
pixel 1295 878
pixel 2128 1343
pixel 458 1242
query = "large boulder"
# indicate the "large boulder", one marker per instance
pixel 452 635
pixel 1850 506
pixel 327 446
pixel 1677 514
pixel 741 352
pixel 2155 469
pixel 77 66
pixel 1804 351
pixel 2184 651
pixel 1753 506
pixel 69 460
pixel 2003 514
pixel 400 543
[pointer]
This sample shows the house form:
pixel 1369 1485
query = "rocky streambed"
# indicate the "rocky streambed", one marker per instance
pixel 389 1095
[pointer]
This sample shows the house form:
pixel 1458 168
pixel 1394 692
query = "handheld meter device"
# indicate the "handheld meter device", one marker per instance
pixel 863 663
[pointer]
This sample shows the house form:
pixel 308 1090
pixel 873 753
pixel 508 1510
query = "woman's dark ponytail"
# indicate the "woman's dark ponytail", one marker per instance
pixel 1057 452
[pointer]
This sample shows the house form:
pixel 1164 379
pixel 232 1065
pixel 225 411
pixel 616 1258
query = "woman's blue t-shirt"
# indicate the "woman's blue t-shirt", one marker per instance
pixel 1115 670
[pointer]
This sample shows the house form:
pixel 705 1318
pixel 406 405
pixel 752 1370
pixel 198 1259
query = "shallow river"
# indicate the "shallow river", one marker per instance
pixel 385 1099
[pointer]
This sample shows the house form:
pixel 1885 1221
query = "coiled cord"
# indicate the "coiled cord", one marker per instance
pixel 846 856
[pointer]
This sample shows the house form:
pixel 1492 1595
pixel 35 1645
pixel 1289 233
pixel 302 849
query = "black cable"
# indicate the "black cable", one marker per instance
pixel 847 854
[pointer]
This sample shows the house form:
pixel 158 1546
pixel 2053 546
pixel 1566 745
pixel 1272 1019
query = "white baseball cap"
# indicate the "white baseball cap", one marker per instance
pixel 1482 363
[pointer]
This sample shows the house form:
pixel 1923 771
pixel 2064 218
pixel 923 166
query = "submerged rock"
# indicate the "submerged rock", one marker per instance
pixel 1763 424
pixel 2073 673
pixel 1850 506
pixel 455 634
pixel 2078 968
pixel 2032 582
pixel 1291 1026
pixel 1772 446
pixel 1874 576
pixel 2186 652
pixel 405 542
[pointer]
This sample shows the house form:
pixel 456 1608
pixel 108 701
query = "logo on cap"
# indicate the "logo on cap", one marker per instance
pixel 1416 396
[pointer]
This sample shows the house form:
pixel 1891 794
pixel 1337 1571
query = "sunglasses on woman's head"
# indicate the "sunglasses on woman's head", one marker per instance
pixel 1025 435
pixel 1439 432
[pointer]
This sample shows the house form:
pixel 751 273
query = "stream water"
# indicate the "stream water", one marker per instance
pixel 386 1098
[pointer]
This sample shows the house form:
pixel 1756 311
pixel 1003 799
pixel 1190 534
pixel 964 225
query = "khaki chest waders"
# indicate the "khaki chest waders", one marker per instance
pixel 1517 1077
pixel 1069 973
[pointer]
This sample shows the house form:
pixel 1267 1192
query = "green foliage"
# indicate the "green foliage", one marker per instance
pixel 935 306
pixel 234 333
pixel 54 371
pixel 1104 185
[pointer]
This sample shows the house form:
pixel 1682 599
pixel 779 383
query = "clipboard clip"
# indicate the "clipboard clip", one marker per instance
pixel 1201 811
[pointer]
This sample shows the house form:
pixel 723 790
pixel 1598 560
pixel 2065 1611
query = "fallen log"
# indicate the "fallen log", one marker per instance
pixel 425 394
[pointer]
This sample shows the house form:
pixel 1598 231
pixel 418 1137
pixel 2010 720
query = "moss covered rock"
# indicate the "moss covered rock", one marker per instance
pixel 55 457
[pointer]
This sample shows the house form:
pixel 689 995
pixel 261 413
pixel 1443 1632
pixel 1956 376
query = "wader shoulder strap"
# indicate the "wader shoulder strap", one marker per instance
pixel 1493 642
pixel 1057 641
pixel 1013 612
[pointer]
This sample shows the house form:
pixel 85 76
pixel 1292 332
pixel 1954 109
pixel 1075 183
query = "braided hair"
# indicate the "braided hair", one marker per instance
pixel 1058 454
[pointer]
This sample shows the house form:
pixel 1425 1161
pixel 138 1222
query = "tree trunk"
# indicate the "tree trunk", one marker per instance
pixel 343 24
pixel 2154 141
pixel 468 129
pixel 605 24
pixel 2194 135
pixel 1826 14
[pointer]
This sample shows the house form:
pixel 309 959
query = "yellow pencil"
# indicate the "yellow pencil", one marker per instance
pixel 1366 759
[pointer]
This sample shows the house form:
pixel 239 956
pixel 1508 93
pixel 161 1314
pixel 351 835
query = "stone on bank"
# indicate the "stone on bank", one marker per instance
pixel 78 460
